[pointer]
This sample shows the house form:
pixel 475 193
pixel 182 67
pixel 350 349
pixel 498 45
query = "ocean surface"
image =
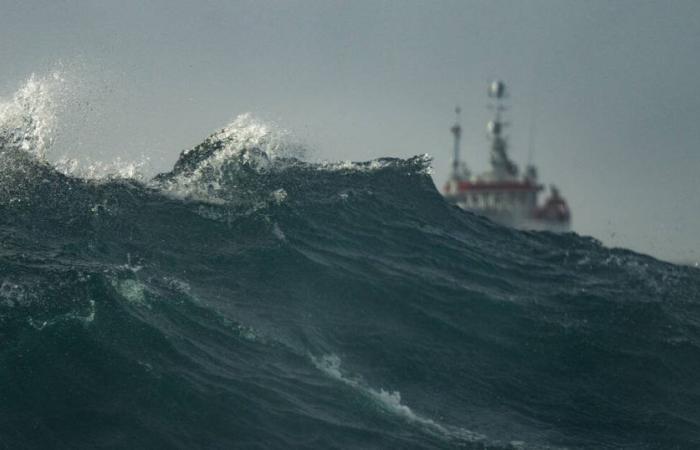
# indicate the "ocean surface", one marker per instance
pixel 250 299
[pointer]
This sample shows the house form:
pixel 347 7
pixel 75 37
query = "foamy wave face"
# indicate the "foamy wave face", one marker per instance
pixel 28 119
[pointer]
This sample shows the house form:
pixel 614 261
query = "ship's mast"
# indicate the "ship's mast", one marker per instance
pixel 502 166
pixel 457 133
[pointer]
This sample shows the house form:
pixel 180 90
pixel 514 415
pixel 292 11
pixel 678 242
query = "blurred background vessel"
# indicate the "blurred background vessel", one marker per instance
pixel 503 194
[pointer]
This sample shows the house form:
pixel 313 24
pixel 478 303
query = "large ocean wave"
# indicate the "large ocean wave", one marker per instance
pixel 251 299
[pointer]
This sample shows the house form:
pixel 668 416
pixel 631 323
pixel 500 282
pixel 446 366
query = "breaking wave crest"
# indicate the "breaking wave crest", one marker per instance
pixel 27 120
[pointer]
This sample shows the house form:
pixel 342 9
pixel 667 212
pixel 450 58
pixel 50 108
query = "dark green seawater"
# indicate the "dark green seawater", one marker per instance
pixel 246 300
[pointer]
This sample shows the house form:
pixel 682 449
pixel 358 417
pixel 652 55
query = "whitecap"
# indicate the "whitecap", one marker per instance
pixel 391 400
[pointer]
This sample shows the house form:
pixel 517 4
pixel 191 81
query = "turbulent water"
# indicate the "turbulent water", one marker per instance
pixel 249 299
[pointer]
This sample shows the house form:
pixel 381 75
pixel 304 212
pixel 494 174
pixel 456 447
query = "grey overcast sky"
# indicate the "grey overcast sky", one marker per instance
pixel 612 87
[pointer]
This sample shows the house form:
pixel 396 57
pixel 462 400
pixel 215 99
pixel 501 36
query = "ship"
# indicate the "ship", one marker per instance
pixel 503 194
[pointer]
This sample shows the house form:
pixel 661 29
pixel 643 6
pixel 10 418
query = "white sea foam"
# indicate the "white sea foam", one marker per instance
pixel 277 231
pixel 279 196
pixel 132 291
pixel 90 317
pixel 105 171
pixel 390 400
pixel 247 333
